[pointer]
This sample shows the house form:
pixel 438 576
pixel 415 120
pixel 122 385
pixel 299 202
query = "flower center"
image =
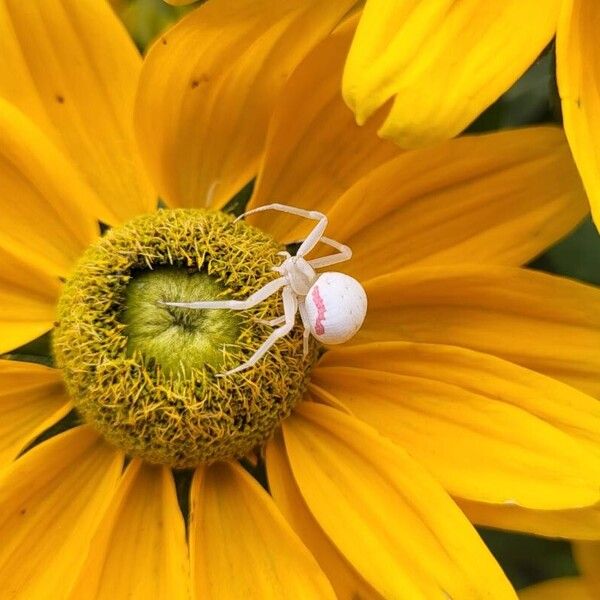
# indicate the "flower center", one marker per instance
pixel 145 374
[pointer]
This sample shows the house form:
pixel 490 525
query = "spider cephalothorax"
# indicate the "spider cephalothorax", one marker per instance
pixel 332 305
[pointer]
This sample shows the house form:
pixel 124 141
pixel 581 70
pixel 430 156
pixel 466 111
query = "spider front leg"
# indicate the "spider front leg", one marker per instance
pixel 290 307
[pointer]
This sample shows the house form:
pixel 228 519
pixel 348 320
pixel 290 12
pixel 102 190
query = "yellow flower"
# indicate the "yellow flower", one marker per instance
pixel 471 379
pixel 586 587
pixel 444 62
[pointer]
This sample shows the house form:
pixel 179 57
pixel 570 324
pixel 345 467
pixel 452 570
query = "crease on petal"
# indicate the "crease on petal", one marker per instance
pixel 32 398
pixel 139 550
pixel 359 486
pixel 209 86
pixel 264 557
pixel 51 502
pixel 443 62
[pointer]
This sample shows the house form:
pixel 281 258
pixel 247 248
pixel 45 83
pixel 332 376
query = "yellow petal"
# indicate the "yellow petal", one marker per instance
pixel 578 73
pixel 560 405
pixel 139 550
pixel 315 151
pixel 443 61
pixel 241 546
pixel 563 588
pixel 581 524
pixel 391 521
pixel 209 86
pixel 72 68
pixel 51 502
pixel 32 398
pixel 543 322
pixel 479 447
pixel 587 557
pixel 28 296
pixel 499 198
pixel 49 226
pixel 346 582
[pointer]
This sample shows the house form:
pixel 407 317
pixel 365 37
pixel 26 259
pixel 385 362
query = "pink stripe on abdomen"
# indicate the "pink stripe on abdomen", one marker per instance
pixel 319 325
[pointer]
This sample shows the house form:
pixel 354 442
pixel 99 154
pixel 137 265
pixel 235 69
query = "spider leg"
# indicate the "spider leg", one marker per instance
pixel 313 237
pixel 306 324
pixel 344 253
pixel 256 298
pixel 290 306
pixel 273 322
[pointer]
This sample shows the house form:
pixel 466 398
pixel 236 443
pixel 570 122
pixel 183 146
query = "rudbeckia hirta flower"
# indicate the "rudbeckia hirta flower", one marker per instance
pixel 465 397
pixel 444 62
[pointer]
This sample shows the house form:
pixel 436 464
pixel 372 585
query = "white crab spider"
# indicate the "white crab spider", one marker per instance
pixel 332 305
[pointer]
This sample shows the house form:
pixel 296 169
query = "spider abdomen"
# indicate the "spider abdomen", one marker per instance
pixel 336 306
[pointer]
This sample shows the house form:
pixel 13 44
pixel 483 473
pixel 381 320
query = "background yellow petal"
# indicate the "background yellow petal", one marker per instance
pixel 581 524
pixel 139 550
pixel 28 298
pixel 563 588
pixel 478 447
pixel 209 86
pixel 391 521
pixel 498 198
pixel 315 151
pixel 560 405
pixel 72 68
pixel 51 501
pixel 347 583
pixel 587 557
pixel 444 61
pixel 241 546
pixel 50 224
pixel 32 398
pixel 578 73
pixel 543 322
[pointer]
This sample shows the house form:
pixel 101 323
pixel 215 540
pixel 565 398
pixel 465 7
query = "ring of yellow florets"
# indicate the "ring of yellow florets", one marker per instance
pixel 177 411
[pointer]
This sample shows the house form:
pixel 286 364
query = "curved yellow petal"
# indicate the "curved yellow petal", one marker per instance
pixel 51 502
pixel 139 550
pixel 72 68
pixel 578 74
pixel 314 150
pixel 543 322
pixel 50 224
pixel 28 298
pixel 564 588
pixel 577 524
pixel 498 198
pixel 241 546
pixel 443 61
pixel 387 516
pixel 345 580
pixel 550 400
pixel 587 557
pixel 209 86
pixel 32 398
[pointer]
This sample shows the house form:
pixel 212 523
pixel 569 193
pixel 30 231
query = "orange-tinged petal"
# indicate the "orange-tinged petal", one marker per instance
pixel 139 550
pixel 556 403
pixel 587 557
pixel 51 502
pixel 563 588
pixel 28 297
pixel 314 151
pixel 72 68
pixel 50 224
pixel 577 524
pixel 443 61
pixel 497 198
pixel 32 398
pixel 346 582
pixel 543 322
pixel 209 86
pixel 578 74
pixel 241 546
pixel 388 517
pixel 477 446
